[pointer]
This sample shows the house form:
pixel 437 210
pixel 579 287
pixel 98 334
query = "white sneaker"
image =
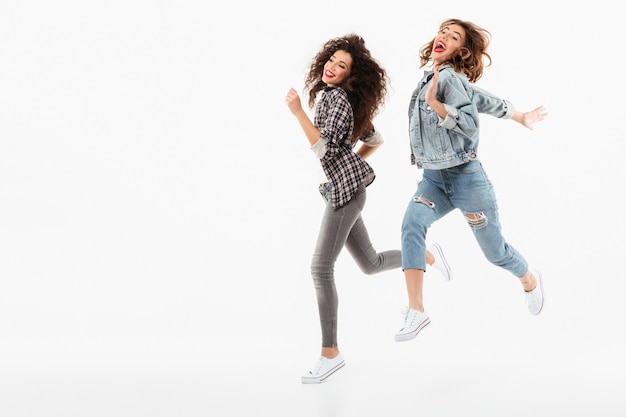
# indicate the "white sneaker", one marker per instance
pixel 414 321
pixel 534 299
pixel 441 264
pixel 323 368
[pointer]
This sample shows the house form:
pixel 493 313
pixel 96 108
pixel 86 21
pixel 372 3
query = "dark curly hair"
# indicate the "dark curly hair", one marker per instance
pixel 470 59
pixel 366 85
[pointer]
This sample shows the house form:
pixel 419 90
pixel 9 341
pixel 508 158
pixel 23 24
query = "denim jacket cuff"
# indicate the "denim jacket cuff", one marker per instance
pixel 450 121
pixel 510 109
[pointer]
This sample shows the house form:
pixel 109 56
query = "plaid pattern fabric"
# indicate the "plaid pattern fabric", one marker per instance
pixel 344 169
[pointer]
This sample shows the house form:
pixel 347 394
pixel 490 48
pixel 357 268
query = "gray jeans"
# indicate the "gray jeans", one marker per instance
pixel 343 227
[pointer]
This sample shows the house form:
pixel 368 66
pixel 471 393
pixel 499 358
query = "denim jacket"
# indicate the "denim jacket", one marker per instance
pixel 438 143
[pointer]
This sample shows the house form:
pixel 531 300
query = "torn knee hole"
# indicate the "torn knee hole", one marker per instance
pixel 476 220
pixel 423 200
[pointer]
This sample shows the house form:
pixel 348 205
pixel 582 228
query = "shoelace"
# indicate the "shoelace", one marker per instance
pixel 317 367
pixel 405 315
pixel 529 298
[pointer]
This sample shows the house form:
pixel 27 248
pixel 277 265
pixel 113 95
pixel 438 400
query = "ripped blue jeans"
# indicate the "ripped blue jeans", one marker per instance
pixel 465 187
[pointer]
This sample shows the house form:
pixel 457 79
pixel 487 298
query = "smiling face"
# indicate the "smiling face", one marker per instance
pixel 448 40
pixel 337 68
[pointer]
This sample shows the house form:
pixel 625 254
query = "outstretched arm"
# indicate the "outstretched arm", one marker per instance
pixel 529 118
pixel 493 105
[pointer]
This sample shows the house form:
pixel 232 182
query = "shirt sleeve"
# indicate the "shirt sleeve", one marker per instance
pixel 374 139
pixel 338 123
pixel 319 149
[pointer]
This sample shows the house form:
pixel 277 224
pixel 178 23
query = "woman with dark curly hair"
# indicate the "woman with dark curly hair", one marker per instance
pixel 351 86
pixel 444 136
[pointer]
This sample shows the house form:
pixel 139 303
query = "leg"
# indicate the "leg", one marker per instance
pixel 429 204
pixel 477 201
pixel 371 262
pixel 476 198
pixel 414 279
pixel 362 250
pixel 334 230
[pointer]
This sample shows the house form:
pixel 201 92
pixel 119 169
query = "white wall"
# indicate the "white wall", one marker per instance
pixel 158 204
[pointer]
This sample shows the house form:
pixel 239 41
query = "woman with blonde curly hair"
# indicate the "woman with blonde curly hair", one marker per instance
pixel 444 135
pixel 346 87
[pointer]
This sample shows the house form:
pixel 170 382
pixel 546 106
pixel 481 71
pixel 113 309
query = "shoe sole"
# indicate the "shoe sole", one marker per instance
pixel 540 283
pixel 412 335
pixel 443 259
pixel 319 379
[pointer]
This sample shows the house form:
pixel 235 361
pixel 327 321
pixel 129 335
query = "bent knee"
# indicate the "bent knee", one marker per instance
pixel 476 220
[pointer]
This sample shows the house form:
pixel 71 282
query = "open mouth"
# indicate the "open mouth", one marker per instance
pixel 440 46
pixel 329 74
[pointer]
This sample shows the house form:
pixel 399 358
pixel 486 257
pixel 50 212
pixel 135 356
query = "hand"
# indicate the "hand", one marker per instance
pixel 431 93
pixel 529 118
pixel 293 101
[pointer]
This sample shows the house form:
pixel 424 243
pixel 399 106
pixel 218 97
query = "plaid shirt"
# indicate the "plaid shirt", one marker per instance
pixel 344 169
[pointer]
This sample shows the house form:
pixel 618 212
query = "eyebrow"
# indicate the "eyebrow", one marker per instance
pixel 453 31
pixel 343 62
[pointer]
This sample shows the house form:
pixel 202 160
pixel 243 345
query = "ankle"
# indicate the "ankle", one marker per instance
pixel 430 259
pixel 528 282
pixel 330 352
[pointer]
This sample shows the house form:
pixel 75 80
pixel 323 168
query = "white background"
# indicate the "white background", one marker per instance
pixel 158 210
